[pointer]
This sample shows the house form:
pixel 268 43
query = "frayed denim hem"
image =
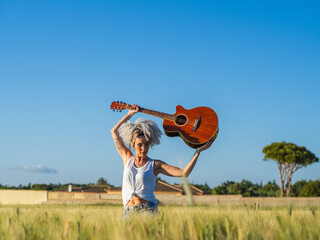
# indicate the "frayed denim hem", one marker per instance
pixel 148 209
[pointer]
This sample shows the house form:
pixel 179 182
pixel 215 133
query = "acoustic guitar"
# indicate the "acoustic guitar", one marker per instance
pixel 195 126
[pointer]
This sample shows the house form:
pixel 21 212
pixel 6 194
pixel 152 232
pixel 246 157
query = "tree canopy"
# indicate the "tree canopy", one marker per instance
pixel 289 158
pixel 285 153
pixel 102 181
pixel 245 188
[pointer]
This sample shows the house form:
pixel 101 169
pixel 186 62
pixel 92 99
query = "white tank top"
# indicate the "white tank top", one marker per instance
pixel 138 181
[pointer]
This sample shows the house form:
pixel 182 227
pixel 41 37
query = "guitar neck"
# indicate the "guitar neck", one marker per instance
pixel 155 113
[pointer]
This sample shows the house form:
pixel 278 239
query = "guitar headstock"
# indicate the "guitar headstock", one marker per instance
pixel 119 106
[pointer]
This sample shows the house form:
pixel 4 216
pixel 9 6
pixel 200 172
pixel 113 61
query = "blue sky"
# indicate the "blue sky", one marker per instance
pixel 62 63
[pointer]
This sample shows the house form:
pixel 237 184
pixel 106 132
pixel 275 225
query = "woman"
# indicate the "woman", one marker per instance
pixel 140 171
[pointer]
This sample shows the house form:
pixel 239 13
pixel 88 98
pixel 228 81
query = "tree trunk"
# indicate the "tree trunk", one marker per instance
pixel 281 180
pixel 293 168
pixel 288 188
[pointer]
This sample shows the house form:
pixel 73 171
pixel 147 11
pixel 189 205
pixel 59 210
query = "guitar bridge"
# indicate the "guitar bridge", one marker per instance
pixel 196 124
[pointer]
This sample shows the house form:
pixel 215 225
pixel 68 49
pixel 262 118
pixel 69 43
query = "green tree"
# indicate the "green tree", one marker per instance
pixel 221 189
pixel 271 189
pixel 205 188
pixel 244 188
pixel 310 189
pixel 289 158
pixel 39 187
pixel 248 189
pixel 102 181
pixel 297 187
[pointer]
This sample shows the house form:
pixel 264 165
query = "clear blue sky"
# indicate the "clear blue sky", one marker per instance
pixel 62 63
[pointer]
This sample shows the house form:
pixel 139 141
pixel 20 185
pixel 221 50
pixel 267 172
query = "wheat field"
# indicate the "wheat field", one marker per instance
pixel 173 222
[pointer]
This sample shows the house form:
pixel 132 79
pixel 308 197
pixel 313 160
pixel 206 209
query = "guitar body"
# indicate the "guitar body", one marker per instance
pixel 195 126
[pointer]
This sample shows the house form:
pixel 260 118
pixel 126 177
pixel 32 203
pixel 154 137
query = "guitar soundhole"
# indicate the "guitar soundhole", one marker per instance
pixel 181 120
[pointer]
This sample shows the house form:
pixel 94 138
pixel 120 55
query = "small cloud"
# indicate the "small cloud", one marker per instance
pixel 37 169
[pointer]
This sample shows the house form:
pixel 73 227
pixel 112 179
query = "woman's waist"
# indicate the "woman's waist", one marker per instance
pixel 135 201
pixel 143 206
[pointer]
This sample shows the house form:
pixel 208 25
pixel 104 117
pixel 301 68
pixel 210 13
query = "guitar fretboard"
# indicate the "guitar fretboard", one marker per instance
pixel 155 113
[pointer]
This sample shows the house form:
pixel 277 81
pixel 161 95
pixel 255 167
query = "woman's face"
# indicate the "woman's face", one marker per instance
pixel 141 146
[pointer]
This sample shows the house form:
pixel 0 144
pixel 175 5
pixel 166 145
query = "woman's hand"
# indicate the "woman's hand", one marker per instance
pixel 204 147
pixel 134 110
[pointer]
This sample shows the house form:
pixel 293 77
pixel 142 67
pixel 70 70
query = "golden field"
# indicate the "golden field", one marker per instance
pixel 173 222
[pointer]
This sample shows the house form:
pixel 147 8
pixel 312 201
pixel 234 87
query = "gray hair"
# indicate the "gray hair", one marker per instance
pixel 142 127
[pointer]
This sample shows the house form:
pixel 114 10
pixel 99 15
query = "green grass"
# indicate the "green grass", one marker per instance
pixel 174 222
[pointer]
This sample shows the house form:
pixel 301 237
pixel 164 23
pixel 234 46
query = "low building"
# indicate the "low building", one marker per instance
pixel 162 188
pixel 91 189
pixel 194 190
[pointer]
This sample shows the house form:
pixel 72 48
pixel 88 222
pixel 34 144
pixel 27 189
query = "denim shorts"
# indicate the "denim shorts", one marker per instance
pixel 148 209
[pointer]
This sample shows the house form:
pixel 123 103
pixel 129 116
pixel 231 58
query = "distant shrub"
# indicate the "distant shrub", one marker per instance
pixel 311 189
pixel 271 189
pixel 297 187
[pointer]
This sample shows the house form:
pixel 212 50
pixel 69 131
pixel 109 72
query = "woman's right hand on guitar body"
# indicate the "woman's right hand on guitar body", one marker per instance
pixel 205 146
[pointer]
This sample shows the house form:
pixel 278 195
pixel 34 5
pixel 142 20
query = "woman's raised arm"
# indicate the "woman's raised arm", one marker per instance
pixel 123 151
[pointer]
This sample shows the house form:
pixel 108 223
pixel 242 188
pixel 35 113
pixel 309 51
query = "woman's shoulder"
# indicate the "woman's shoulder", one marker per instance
pixel 157 162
